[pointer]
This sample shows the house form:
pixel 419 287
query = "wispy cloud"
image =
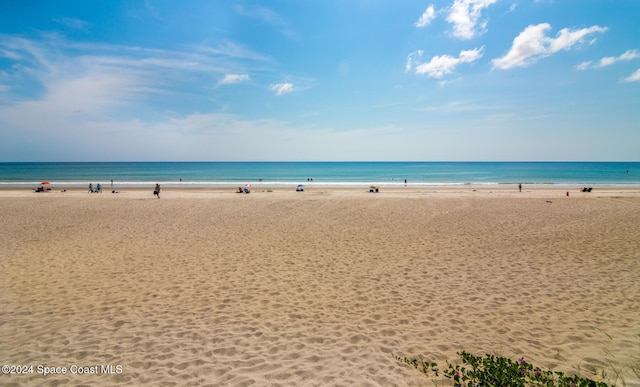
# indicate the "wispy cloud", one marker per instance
pixel 91 97
pixel 281 88
pixel 263 14
pixel 609 60
pixel 9 54
pixel 532 44
pixel 464 106
pixel 413 59
pixel 465 15
pixel 267 16
pixel 72 22
pixel 427 17
pixel 99 80
pixel 442 65
pixel 635 77
pixel 232 50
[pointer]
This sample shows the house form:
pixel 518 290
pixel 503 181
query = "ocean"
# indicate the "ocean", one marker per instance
pixel 330 174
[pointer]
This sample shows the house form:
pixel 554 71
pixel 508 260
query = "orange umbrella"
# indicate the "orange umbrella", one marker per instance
pixel 45 182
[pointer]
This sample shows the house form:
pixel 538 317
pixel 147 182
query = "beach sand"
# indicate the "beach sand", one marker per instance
pixel 317 288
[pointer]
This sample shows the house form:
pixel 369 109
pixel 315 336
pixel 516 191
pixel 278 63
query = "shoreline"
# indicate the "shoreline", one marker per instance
pixel 409 191
pixel 319 185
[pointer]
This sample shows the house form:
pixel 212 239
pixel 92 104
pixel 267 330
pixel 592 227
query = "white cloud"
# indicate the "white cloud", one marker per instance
pixel 230 79
pixel 427 17
pixel 465 17
pixel 441 65
pixel 610 60
pixel 533 44
pixel 584 65
pixel 635 77
pixel 607 61
pixel 629 55
pixel 567 38
pixel 282 88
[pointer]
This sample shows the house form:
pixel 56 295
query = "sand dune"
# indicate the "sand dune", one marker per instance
pixel 317 288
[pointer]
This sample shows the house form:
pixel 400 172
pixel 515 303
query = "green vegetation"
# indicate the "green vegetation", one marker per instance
pixel 498 371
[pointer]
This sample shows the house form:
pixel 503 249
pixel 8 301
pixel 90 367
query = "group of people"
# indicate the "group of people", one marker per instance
pixel 96 189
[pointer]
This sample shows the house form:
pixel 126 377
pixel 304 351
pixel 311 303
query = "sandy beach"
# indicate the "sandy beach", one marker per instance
pixel 208 287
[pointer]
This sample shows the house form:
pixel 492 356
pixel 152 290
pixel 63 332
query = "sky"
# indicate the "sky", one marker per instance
pixel 320 80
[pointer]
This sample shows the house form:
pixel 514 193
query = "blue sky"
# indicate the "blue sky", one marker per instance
pixel 454 80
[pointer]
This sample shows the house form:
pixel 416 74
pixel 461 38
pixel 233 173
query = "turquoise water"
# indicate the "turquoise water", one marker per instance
pixel 223 174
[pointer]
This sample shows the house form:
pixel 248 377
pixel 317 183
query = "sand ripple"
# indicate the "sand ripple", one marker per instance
pixel 276 289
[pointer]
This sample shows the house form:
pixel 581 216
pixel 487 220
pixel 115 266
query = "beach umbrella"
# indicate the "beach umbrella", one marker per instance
pixel 45 182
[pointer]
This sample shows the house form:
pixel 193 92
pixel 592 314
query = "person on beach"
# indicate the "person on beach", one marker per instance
pixel 156 191
pixel 520 187
pixel 91 187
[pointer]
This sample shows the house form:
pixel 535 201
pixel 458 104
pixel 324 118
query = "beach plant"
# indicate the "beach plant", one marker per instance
pixel 617 369
pixel 498 371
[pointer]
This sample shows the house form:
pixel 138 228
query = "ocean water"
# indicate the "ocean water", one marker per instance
pixel 231 174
